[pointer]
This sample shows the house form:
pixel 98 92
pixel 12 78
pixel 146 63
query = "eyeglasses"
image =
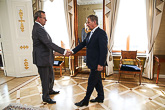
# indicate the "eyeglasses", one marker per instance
pixel 43 18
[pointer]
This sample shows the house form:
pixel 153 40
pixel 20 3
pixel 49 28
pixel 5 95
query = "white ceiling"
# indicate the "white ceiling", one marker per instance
pixel 86 2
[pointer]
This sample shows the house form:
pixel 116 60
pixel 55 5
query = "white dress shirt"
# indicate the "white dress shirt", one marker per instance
pixel 92 32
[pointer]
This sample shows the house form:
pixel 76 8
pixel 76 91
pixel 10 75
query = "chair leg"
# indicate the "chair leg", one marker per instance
pixel 140 76
pixel 158 70
pixel 103 73
pixel 64 67
pixel 61 71
pixel 119 77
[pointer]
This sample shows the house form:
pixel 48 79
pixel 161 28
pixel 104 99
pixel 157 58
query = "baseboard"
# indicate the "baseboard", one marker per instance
pixel 155 75
pixel 160 75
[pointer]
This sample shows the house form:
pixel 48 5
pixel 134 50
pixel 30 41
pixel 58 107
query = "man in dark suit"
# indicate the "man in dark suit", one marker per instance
pixel 43 56
pixel 96 52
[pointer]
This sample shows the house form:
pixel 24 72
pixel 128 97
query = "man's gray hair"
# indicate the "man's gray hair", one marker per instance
pixel 93 18
pixel 38 14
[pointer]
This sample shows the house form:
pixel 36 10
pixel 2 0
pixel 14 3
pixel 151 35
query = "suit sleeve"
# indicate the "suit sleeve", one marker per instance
pixel 43 37
pixel 80 46
pixel 103 48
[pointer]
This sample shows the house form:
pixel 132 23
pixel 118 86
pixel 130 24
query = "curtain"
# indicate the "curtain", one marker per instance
pixel 154 10
pixel 69 15
pixel 111 11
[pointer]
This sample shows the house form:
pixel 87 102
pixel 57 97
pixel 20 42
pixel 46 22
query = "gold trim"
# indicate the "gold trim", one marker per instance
pixel 71 57
pixel 24 47
pixel 26 64
pixel 21 16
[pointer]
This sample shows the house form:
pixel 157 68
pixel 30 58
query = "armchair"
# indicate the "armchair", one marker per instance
pixel 130 64
pixel 59 62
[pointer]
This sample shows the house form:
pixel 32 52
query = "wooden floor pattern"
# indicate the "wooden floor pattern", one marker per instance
pixel 126 95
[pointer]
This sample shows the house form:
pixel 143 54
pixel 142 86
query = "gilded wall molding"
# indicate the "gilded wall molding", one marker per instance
pixel 26 64
pixel 21 17
pixel 24 47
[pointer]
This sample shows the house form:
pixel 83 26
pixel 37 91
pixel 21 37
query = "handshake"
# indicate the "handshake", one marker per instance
pixel 68 53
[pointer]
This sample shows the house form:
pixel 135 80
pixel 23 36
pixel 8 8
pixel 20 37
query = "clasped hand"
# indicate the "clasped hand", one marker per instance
pixel 68 53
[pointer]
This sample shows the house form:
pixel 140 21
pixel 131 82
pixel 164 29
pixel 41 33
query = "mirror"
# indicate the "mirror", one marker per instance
pixel 82 9
pixel 86 8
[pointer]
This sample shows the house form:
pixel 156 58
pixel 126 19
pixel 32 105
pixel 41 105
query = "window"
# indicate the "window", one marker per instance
pixel 131 26
pixel 99 14
pixel 56 24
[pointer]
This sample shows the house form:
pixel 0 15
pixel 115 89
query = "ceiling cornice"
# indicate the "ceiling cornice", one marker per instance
pixel 87 2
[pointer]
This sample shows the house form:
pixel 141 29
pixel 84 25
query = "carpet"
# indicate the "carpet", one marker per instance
pixel 15 106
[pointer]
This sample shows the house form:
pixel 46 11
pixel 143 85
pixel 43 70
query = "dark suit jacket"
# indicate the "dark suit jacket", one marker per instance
pixel 96 51
pixel 43 47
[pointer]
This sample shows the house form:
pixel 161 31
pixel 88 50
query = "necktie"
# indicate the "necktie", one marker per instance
pixel 90 35
pixel 88 39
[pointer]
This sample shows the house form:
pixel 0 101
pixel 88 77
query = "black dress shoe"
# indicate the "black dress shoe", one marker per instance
pixel 82 103
pixel 50 101
pixel 54 92
pixel 97 100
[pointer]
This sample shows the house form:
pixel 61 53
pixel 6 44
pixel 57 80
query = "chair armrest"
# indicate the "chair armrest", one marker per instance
pixel 59 56
pixel 62 63
pixel 157 60
pixel 120 63
pixel 139 63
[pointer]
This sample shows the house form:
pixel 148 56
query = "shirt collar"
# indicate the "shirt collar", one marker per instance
pixel 94 29
pixel 39 23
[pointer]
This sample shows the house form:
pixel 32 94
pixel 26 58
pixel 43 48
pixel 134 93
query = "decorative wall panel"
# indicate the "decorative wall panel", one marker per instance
pixel 17 43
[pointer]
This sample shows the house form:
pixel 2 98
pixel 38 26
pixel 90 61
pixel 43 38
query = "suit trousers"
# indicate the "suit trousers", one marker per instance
pixel 47 80
pixel 94 81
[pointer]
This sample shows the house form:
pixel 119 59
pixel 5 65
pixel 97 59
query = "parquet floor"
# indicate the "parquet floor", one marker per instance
pixel 126 95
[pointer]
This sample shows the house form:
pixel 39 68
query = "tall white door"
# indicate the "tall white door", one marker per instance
pixel 16 21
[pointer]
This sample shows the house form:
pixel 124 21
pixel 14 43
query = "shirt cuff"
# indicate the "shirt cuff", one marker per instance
pixel 72 52
pixel 65 52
